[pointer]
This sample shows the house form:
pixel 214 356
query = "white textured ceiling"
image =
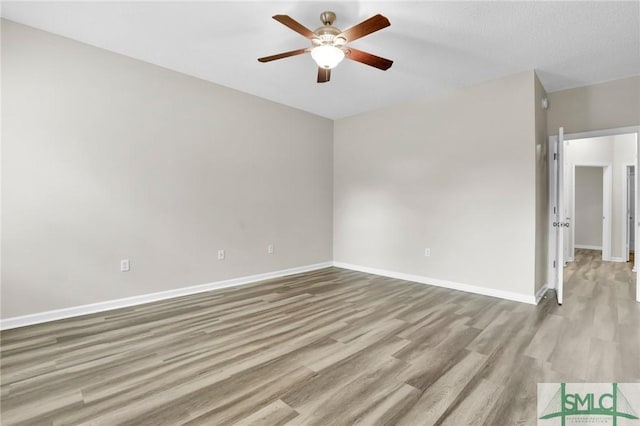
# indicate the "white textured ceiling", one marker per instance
pixel 436 46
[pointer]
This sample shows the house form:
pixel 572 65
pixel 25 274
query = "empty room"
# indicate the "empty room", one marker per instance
pixel 307 213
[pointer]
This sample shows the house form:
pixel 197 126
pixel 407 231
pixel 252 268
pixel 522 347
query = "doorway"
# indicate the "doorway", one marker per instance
pixel 590 228
pixel 630 213
pixel 562 163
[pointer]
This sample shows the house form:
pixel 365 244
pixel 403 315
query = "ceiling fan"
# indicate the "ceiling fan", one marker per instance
pixel 329 44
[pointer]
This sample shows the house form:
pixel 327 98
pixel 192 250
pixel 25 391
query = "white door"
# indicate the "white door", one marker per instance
pixel 559 223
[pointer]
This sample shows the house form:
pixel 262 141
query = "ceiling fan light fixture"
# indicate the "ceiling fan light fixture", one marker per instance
pixel 327 56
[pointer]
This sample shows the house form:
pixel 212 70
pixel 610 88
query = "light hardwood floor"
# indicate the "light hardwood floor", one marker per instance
pixel 328 347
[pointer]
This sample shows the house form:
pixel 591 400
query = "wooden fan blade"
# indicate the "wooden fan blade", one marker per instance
pixel 324 75
pixel 364 28
pixel 295 25
pixel 368 59
pixel 283 55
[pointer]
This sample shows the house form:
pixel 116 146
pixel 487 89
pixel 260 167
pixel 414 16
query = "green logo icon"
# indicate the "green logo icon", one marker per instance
pixel 583 404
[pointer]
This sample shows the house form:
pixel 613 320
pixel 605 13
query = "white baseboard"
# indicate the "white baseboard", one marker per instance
pixel 41 317
pixel 617 259
pixel 518 297
pixel 588 247
pixel 540 294
pixel 75 311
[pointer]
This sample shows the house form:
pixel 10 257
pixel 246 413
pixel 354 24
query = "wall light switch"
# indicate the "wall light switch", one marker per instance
pixel 220 254
pixel 427 252
pixel 124 265
pixel 270 249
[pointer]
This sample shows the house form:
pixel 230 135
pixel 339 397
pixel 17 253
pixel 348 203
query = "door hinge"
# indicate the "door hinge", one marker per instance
pixel 555 156
pixel 554 210
pixel 554 263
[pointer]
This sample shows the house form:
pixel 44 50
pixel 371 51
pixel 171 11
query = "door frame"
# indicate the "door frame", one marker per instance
pixel 607 208
pixel 552 140
pixel 555 272
pixel 626 229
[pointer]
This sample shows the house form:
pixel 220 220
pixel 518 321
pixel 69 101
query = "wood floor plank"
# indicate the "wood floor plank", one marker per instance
pixel 545 338
pixel 325 347
pixel 437 398
pixel 276 413
pixel 473 408
pixel 386 410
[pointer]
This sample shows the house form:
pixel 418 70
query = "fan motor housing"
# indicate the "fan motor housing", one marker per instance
pixel 327 33
pixel 327 17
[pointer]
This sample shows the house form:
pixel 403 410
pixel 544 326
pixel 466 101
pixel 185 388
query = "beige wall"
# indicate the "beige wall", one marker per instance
pixel 588 206
pixel 105 157
pixel 542 188
pixel 600 106
pixel 456 174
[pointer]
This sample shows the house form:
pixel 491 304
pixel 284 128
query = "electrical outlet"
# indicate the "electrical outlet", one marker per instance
pixel 270 249
pixel 427 252
pixel 125 265
pixel 220 254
